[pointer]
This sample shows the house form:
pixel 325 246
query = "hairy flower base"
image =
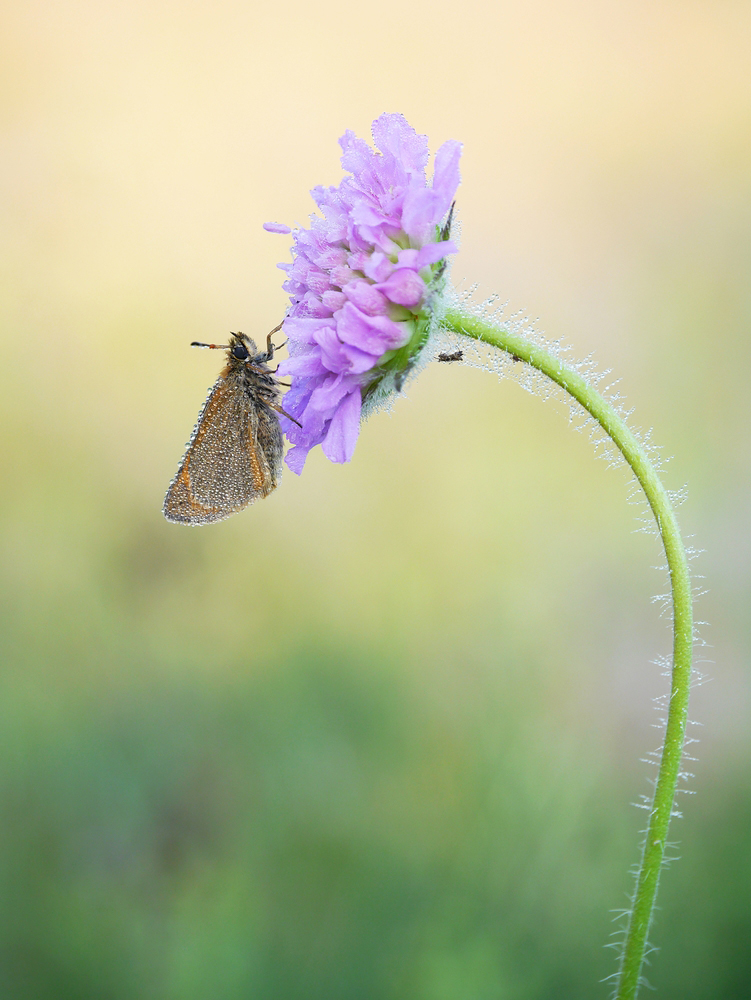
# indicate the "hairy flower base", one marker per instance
pixel 363 283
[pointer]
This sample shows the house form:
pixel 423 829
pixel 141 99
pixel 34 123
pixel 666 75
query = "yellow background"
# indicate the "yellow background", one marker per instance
pixel 377 736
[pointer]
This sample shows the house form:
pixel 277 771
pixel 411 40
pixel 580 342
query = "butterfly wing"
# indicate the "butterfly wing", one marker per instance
pixel 233 457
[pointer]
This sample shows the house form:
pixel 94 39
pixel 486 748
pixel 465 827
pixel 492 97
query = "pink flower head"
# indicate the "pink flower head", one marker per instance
pixel 362 283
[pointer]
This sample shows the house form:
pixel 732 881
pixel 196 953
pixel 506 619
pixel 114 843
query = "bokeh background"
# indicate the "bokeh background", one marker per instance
pixel 377 738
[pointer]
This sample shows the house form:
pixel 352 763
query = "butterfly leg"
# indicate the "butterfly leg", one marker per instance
pixel 269 346
pixel 284 414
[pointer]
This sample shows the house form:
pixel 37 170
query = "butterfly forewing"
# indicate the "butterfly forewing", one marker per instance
pixel 233 457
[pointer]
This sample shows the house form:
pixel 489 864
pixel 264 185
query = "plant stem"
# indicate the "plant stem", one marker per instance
pixel 632 958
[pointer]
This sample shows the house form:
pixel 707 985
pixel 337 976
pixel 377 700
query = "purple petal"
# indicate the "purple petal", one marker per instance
pixel 393 134
pixel 357 156
pixel 369 215
pixel 323 195
pixel 301 330
pixel 302 366
pixel 405 287
pixel 358 260
pixel 341 276
pixel 366 297
pixel 277 227
pixel 333 300
pixel 378 267
pixel 422 212
pixel 295 458
pixel 433 252
pixel 314 307
pixel 329 257
pixel 343 358
pixel 341 437
pixel 425 207
pixel 318 281
pixel 446 173
pixel 374 334
pixel 408 258
pixel 327 396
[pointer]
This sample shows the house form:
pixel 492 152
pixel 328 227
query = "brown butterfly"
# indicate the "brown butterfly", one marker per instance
pixel 234 455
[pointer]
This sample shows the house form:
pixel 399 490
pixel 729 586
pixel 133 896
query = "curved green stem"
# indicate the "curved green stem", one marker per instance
pixel 632 958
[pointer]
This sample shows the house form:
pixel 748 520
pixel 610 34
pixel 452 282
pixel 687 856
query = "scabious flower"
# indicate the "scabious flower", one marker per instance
pixel 364 284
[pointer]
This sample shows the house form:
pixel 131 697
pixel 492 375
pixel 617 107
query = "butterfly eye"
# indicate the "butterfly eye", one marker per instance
pixel 240 352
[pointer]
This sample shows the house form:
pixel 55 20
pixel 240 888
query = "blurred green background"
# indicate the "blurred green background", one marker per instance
pixel 378 737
